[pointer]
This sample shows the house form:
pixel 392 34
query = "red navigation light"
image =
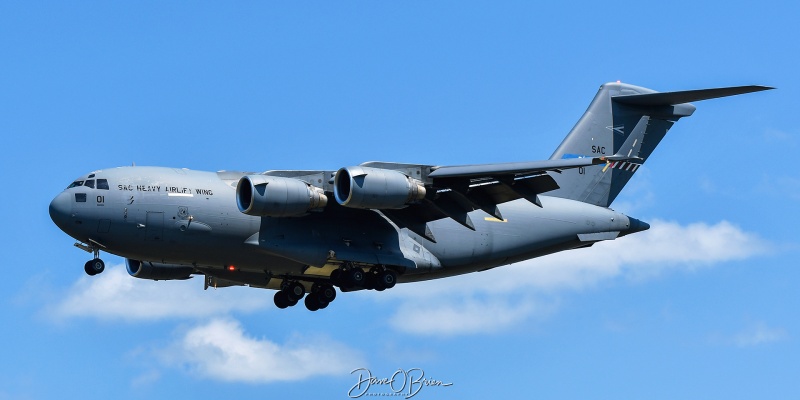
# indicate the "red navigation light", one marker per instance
pixel 231 268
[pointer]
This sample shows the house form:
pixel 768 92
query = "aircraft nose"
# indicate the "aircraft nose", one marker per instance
pixel 61 210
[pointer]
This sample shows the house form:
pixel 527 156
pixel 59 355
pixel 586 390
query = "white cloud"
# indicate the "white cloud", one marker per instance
pixel 116 295
pixel 445 307
pixel 758 334
pixel 217 349
pixel 666 245
pixel 221 350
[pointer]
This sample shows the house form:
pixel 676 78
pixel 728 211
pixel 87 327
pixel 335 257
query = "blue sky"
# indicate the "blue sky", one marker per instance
pixel 704 305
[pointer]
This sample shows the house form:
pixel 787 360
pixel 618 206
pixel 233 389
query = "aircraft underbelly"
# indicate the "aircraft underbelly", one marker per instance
pixel 345 237
pixel 526 229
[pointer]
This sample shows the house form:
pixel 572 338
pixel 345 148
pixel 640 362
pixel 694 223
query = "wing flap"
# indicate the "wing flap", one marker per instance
pixel 513 168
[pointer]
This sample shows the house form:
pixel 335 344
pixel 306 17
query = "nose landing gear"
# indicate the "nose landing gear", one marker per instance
pixel 96 265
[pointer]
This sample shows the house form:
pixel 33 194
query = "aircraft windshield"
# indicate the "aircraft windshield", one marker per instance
pixel 90 183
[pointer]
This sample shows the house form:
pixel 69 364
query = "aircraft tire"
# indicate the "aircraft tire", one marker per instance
pixel 326 294
pixel 98 265
pixel 88 268
pixel 336 277
pixel 370 281
pixel 312 303
pixel 281 300
pixel 94 267
pixel 295 291
pixel 387 279
pixel 356 277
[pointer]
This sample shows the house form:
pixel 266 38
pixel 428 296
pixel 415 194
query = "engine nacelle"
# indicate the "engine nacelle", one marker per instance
pixel 275 196
pixel 364 187
pixel 157 271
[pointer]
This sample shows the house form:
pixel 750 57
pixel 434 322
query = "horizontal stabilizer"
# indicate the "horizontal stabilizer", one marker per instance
pixel 686 96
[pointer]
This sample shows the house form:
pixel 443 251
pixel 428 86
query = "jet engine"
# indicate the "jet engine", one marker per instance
pixel 364 187
pixel 275 196
pixel 157 271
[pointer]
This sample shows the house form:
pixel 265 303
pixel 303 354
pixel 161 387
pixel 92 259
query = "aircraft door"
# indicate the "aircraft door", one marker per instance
pixel 154 226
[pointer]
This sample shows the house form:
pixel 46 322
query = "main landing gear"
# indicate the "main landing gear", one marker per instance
pixel 377 278
pixel 323 293
pixel 291 292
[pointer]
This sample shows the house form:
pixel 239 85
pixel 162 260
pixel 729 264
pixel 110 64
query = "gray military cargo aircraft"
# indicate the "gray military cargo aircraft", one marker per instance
pixel 387 223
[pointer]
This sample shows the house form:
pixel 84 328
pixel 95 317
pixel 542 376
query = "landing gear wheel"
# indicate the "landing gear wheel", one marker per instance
pixel 355 277
pixel 371 279
pixel 88 268
pixel 387 279
pixel 312 303
pixel 295 291
pixel 336 277
pixel 281 300
pixel 326 294
pixel 94 267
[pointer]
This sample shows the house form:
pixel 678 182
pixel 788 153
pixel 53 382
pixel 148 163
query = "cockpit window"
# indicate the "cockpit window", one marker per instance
pixel 80 197
pixel 74 184
pixel 89 183
pixel 102 184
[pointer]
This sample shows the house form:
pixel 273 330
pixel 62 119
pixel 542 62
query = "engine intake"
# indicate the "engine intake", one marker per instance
pixel 364 187
pixel 275 196
pixel 157 271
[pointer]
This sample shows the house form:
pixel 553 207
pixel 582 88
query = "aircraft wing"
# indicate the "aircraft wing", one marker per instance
pixel 513 168
pixel 455 191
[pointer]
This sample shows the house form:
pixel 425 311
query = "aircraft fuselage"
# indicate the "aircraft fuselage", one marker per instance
pixel 185 217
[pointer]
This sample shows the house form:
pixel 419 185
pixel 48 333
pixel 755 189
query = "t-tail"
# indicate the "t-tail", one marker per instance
pixel 624 123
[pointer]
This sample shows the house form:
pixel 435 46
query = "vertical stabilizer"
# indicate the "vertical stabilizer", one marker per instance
pixel 623 120
pixel 618 112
